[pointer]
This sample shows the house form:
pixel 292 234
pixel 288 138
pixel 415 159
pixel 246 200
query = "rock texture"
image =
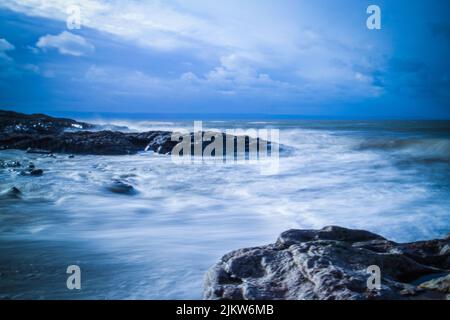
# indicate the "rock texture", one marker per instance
pixel 120 187
pixel 45 135
pixel 11 193
pixel 20 123
pixel 332 264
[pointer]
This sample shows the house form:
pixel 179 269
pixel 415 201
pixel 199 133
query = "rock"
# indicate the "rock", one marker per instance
pixel 330 264
pixel 121 187
pixel 20 123
pixel 36 172
pixel 9 164
pixel 441 284
pixel 49 135
pixel 11 193
pixel 32 172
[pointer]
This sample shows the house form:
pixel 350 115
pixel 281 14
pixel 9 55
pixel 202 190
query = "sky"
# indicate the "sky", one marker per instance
pixel 279 57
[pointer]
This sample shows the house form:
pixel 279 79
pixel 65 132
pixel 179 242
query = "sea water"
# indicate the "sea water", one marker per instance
pixel 391 178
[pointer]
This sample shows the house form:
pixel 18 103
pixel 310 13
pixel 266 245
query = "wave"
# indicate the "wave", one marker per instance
pixel 421 149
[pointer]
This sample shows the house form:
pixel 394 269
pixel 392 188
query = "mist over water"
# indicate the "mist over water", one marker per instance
pixel 391 178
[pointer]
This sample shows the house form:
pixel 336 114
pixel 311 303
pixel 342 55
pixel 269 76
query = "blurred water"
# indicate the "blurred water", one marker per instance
pixel 387 177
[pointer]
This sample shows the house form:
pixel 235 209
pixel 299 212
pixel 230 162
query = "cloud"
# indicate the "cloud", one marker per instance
pixel 4 47
pixel 66 43
pixel 242 52
pixel 125 81
pixel 9 68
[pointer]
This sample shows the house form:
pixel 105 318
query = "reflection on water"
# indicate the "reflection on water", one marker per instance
pixel 158 242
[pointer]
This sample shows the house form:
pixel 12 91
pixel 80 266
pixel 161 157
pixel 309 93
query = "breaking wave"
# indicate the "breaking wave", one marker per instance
pixel 428 149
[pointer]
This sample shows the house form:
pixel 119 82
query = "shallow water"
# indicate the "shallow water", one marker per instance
pixel 391 178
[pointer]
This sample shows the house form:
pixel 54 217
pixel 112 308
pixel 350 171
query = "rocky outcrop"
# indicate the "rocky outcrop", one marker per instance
pixel 120 187
pixel 19 123
pixel 332 263
pixel 45 135
pixel 9 164
pixel 11 193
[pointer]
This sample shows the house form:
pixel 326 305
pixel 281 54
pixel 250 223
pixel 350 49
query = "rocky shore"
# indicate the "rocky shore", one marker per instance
pixel 332 263
pixel 40 133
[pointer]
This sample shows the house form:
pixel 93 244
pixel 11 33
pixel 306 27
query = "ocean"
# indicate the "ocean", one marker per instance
pixel 388 177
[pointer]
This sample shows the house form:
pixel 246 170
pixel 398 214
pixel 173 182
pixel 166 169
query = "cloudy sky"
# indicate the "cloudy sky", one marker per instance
pixel 309 58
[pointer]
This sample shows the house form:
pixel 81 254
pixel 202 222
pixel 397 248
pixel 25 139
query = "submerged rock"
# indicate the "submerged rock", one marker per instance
pixel 120 187
pixel 331 263
pixel 9 164
pixel 36 172
pixel 11 193
pixel 31 171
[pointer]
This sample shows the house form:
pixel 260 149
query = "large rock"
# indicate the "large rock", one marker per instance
pixel 44 134
pixel 20 123
pixel 11 193
pixel 120 187
pixel 332 263
pixel 9 164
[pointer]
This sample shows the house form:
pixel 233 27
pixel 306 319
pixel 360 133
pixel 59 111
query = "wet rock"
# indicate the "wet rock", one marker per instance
pixel 51 136
pixel 120 187
pixel 441 284
pixel 32 172
pixel 331 263
pixel 20 123
pixel 11 193
pixel 9 164
pixel 36 172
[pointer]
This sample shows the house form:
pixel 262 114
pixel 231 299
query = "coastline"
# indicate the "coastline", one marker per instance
pixel 143 205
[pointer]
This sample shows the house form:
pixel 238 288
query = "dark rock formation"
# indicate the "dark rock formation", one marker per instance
pixel 44 134
pixel 9 164
pixel 32 172
pixel 121 187
pixel 11 193
pixel 19 123
pixel 332 264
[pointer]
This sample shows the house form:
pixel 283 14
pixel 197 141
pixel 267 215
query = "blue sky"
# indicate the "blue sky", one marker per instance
pixel 309 58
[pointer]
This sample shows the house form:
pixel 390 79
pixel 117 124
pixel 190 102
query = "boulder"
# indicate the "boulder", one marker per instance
pixel 120 187
pixel 332 264
pixel 31 171
pixel 9 164
pixel 11 193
